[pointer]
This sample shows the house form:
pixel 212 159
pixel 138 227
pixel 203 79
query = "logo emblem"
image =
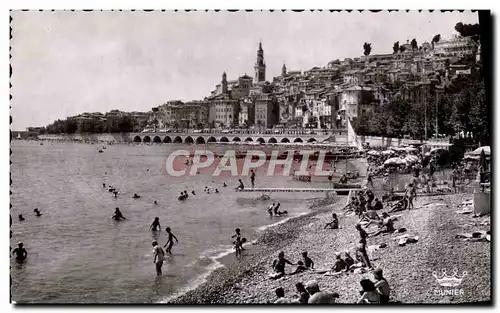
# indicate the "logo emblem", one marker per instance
pixel 449 281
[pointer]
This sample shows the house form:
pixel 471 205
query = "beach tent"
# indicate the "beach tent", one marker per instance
pixel 394 161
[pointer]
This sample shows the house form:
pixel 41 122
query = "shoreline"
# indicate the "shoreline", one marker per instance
pixel 234 270
pixel 408 269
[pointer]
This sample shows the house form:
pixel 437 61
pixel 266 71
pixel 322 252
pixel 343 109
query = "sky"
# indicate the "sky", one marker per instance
pixel 65 63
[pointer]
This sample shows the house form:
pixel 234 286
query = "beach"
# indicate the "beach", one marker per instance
pixel 408 269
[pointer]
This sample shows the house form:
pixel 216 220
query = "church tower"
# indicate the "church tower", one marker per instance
pixel 224 83
pixel 283 70
pixel 260 66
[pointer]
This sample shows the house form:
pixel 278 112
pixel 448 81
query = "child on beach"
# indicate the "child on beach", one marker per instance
pixel 238 244
pixel 170 241
pixel 307 260
pixel 118 215
pixel 300 268
pixel 334 224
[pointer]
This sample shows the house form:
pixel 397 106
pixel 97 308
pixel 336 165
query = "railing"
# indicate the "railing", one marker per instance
pixel 313 132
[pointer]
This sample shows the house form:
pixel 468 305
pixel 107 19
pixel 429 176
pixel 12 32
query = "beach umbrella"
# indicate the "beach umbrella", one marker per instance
pixel 387 152
pixel 486 149
pixel 373 152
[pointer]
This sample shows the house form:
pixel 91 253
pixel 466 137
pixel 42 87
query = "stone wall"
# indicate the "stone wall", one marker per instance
pixel 117 137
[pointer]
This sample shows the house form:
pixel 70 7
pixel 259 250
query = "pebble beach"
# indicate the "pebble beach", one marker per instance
pixel 408 269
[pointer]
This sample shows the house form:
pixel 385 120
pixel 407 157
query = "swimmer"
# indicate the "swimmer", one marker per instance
pixel 193 193
pixel 21 217
pixel 156 203
pixel 170 241
pixel 181 197
pixel 155 226
pixel 118 215
pixel 37 212
pixel 224 184
pixel 21 253
pixel 115 193
pixel 159 257
pixel 147 170
pixel 186 194
pixel 103 185
pixel 136 196
pixel 216 190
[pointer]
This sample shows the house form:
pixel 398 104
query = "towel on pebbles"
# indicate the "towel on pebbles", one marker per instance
pixel 475 236
pixel 373 248
pixel 464 211
pixel 403 240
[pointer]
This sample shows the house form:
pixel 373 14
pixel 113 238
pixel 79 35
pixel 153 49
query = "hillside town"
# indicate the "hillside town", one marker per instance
pixel 319 98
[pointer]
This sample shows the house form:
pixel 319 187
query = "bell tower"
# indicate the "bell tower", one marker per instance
pixel 260 66
pixel 224 83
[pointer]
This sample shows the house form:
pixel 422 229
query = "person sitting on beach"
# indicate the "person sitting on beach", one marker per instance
pixel 118 215
pixel 21 253
pixel 136 196
pixel 276 207
pixel 270 209
pixel 343 179
pixel 279 265
pixel 369 194
pixel 170 241
pixel 300 268
pixel 318 296
pixel 382 286
pixel 280 293
pixel 307 260
pixel 369 293
pixel 155 226
pixel 348 259
pixel 340 264
pixel 351 204
pixel 240 186
pixel 401 205
pixel 334 224
pixel 385 226
pixel 37 212
pixel 303 294
pixel 21 217
pixel 378 205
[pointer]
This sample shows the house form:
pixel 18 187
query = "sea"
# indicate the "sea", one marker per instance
pixel 78 254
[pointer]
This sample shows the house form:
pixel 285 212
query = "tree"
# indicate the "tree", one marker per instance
pixel 414 45
pixel 435 39
pixel 395 47
pixel 468 30
pixel 402 49
pixel 367 47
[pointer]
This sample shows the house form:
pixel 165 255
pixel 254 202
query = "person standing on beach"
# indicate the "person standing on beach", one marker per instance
pixel 159 257
pixel 252 178
pixel 170 241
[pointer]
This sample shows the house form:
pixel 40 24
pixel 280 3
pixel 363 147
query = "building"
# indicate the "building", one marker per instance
pixel 188 115
pixel 260 66
pixel 456 47
pixel 246 116
pixel 351 98
pixel 266 111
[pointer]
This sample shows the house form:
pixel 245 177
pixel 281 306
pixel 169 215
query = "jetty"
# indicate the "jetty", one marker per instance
pixel 265 191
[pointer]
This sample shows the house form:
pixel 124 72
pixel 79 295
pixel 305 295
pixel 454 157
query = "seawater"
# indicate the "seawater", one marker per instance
pixel 77 254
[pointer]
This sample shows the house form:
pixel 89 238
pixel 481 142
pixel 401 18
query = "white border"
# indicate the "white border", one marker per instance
pixel 199 4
